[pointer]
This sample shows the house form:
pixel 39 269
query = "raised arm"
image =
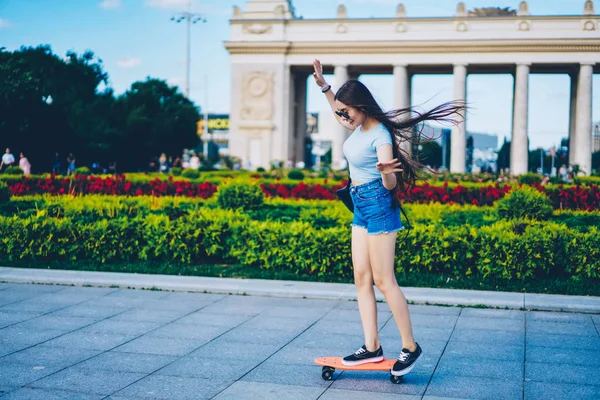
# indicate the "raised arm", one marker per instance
pixel 326 88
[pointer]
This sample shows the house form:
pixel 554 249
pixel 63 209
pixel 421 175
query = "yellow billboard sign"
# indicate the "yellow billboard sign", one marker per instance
pixel 214 124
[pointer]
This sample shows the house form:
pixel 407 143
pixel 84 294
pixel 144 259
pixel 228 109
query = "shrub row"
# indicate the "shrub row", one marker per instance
pixel 504 250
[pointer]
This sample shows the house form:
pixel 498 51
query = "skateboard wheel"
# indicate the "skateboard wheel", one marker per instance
pixel 395 379
pixel 327 373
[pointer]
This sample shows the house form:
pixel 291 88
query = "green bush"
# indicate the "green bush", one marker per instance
pixel 176 171
pixel 296 175
pixel 191 173
pixel 260 170
pixel 587 180
pixel 530 178
pixel 13 171
pixel 4 193
pixel 239 194
pixel 525 202
pixel 82 171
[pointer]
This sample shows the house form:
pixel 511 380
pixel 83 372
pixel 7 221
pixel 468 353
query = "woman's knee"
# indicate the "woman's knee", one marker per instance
pixel 385 284
pixel 363 277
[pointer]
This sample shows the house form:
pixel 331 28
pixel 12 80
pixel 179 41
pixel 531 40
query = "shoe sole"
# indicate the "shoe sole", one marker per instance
pixel 406 370
pixel 361 362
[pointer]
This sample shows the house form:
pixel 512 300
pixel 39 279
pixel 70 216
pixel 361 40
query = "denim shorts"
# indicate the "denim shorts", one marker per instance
pixel 374 208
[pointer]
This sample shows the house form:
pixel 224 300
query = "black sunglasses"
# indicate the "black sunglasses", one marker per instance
pixel 343 114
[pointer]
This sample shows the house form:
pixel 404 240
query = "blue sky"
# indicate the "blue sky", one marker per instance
pixel 136 39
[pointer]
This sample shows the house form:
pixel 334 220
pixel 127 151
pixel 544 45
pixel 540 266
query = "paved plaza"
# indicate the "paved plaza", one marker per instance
pixel 73 342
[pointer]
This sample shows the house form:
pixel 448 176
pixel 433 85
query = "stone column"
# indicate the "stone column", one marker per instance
pixel 340 134
pixel 402 95
pixel 297 153
pixel 519 147
pixel 458 151
pixel 573 116
pixel 583 126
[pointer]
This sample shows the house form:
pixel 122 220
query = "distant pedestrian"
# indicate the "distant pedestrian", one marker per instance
pixel 56 164
pixel 8 160
pixel 24 164
pixel 70 164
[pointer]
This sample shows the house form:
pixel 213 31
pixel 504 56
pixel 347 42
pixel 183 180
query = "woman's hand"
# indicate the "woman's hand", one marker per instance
pixel 318 74
pixel 389 167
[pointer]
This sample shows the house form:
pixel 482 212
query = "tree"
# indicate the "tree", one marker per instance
pixel 504 156
pixel 431 154
pixel 157 119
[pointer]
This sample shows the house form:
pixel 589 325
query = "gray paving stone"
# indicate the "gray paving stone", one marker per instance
pixel 236 350
pixel 561 328
pixel 484 368
pixel 420 333
pixel 435 310
pixel 184 331
pixel 89 311
pixel 341 394
pixel 49 356
pixel 246 310
pixel 482 350
pixel 555 373
pixel 342 344
pixel 15 374
pixel 4 389
pixel 138 294
pixel 124 303
pixel 210 368
pixel 57 322
pixel 268 391
pixel 35 305
pixel 8 318
pixel 90 340
pixel 490 336
pixel 202 319
pixel 87 380
pixel 353 305
pixel 277 323
pixel 339 328
pixel 162 316
pixel 126 328
pixel 305 313
pixel 161 345
pixel 128 362
pixel 172 305
pixel 87 291
pixel 174 388
pixel 493 313
pixel 500 324
pixel 563 355
pixel 16 337
pixel 342 316
pixel 241 334
pixel 560 391
pixel 466 387
pixel 550 316
pixel 379 381
pixel 186 297
pixel 433 320
pixel 44 394
pixel 291 374
pixel 550 340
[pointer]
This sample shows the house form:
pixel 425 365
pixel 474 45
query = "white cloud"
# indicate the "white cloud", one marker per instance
pixel 4 23
pixel 168 4
pixel 129 62
pixel 110 4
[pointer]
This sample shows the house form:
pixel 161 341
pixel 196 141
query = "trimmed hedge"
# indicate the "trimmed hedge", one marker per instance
pixel 503 250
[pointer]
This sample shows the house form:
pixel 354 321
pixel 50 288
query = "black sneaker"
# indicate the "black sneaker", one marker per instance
pixel 406 361
pixel 363 356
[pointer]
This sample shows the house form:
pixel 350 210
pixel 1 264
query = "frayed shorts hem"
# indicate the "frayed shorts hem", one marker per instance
pixel 378 232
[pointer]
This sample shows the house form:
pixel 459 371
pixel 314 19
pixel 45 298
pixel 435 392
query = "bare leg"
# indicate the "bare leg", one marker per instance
pixel 363 279
pixel 382 249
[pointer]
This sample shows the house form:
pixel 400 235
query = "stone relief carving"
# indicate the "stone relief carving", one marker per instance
pixel 461 27
pixel 589 26
pixel 237 12
pixel 257 96
pixel 401 27
pixel 341 28
pixel 524 26
pixel 257 28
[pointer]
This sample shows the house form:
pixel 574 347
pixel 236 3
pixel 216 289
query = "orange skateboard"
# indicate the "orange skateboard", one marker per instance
pixel 329 365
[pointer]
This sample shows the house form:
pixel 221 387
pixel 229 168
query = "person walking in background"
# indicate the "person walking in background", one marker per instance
pixel 56 164
pixel 162 163
pixel 8 160
pixel 24 164
pixel 195 161
pixel 70 164
pixel 379 170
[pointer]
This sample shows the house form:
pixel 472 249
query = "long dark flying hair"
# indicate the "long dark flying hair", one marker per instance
pixel 404 125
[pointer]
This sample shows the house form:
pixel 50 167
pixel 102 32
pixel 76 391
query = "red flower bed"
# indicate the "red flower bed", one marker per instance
pixel 115 185
pixel 574 198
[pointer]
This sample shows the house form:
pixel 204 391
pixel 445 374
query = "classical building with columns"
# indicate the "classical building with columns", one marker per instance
pixel 272 52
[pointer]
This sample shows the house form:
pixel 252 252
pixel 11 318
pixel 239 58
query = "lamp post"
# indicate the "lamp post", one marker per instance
pixel 189 18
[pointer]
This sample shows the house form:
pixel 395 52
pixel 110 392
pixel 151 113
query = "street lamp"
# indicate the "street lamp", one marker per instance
pixel 190 18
